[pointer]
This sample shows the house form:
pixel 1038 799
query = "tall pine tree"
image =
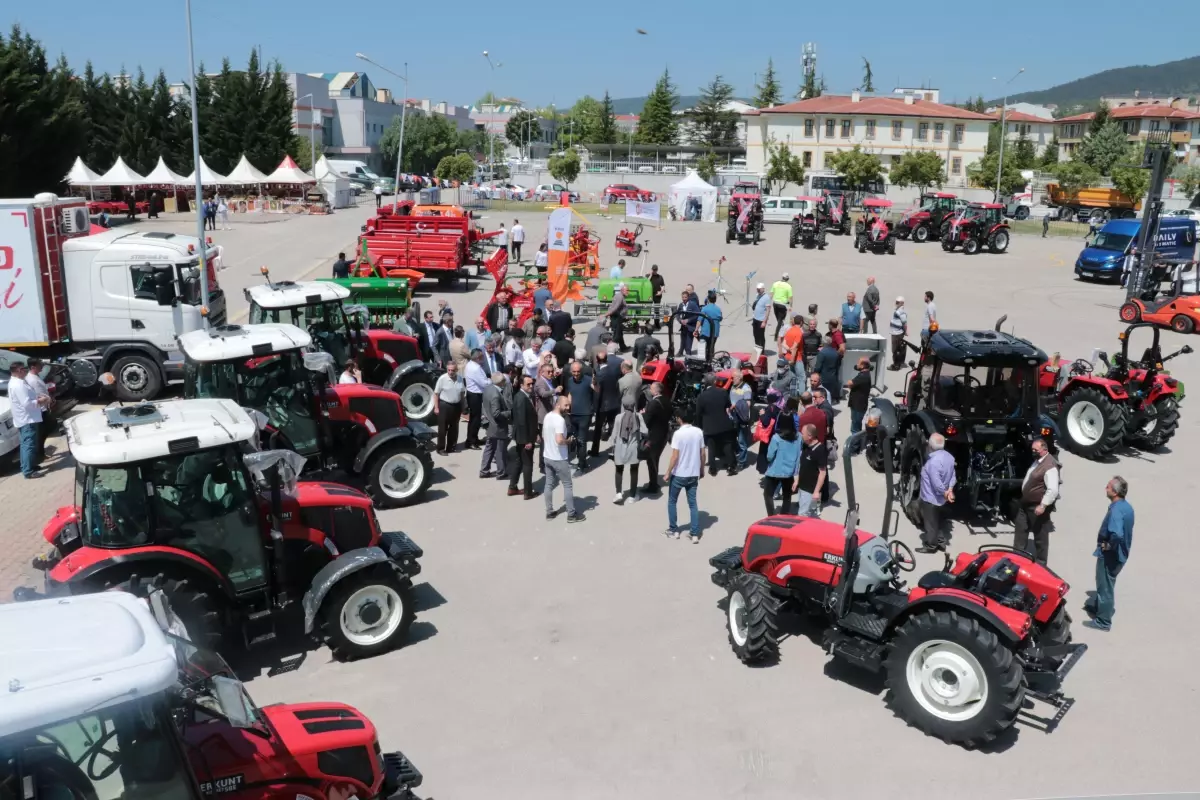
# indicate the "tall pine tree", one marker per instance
pixel 768 92
pixel 712 123
pixel 658 123
pixel 606 131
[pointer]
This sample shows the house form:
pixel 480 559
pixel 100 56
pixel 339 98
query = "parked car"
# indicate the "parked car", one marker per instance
pixel 645 168
pixel 10 437
pixel 552 191
pixel 58 380
pixel 623 191
pixel 1190 213
pixel 671 170
pixel 783 209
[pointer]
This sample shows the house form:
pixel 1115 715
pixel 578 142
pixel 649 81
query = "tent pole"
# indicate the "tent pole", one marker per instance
pixel 199 177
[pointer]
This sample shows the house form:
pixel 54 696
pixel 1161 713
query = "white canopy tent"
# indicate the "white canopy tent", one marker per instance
pixel 245 173
pixel 209 177
pixel 80 175
pixel 162 175
pixel 288 172
pixel 693 186
pixel 334 184
pixel 120 175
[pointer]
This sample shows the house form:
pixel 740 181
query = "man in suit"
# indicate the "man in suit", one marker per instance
pixel 497 413
pixel 645 346
pixel 608 402
pixel 559 321
pixel 493 361
pixel 499 312
pixel 564 347
pixel 712 415
pixel 525 435
pixel 658 430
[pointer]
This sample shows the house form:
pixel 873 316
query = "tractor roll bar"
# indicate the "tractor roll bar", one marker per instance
pixel 855 445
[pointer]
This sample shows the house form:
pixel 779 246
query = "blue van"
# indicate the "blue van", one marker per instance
pixel 1105 258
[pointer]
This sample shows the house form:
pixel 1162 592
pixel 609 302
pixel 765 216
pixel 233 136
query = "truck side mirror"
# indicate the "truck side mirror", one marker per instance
pixel 164 289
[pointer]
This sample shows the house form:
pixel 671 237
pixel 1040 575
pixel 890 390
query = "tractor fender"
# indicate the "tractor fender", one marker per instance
pixel 408 367
pixel 383 439
pixel 1115 391
pixel 921 418
pixel 346 564
pixel 961 601
pixel 889 420
pixel 147 562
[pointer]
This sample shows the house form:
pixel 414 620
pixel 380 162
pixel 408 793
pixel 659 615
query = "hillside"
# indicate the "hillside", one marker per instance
pixel 633 105
pixel 1173 78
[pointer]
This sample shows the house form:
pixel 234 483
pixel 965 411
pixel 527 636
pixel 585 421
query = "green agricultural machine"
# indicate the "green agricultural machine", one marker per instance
pixel 385 299
pixel 640 301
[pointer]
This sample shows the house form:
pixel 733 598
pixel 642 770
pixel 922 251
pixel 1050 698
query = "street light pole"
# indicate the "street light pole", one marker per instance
pixel 312 144
pixel 403 114
pixel 1003 135
pixel 199 177
pixel 492 118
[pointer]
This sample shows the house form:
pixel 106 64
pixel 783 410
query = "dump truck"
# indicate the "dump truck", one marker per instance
pixel 1084 202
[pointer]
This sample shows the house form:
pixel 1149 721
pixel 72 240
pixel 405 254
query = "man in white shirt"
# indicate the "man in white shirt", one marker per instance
pixel 378 195
pixel 502 238
pixel 684 474
pixel 1031 511
pixel 930 318
pixel 512 351
pixel 899 329
pixel 555 451
pixel 532 357
pixel 26 416
pixel 476 381
pixel 616 272
pixel 40 390
pixel 518 239
pixel 447 405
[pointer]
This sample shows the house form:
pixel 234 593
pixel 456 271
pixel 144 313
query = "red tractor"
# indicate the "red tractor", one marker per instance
pixel 962 652
pixel 807 229
pixel 176 496
pixel 627 242
pixel 929 218
pixel 836 212
pixel 745 219
pixel 1133 402
pixel 977 225
pixel 873 231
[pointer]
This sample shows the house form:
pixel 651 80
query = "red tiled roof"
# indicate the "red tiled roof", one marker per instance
pixel 1076 118
pixel 626 117
pixel 1021 116
pixel 876 106
pixel 1137 112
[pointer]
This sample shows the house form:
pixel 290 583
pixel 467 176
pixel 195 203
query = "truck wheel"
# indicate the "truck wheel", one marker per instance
pixel 1131 313
pixel 953 678
pixel 1160 428
pixel 1022 212
pixel 920 234
pixel 1182 324
pixel 416 395
pixel 137 378
pixel 399 475
pixel 912 458
pixel 367 613
pixel 1094 424
pixel 752 618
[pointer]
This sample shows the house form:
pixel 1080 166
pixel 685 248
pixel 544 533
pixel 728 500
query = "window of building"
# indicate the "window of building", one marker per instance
pixel 1154 124
pixel 1130 126
pixel 896 160
pixel 959 131
pixel 923 131
pixel 807 158
pixel 956 166
pixel 870 129
pixel 829 126
pixel 897 128
pixel 808 128
pixel 939 130
pixel 845 129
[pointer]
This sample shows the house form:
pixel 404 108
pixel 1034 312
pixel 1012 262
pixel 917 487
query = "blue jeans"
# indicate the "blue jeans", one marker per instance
pixel 1107 569
pixel 29 447
pixel 688 485
pixel 856 419
pixel 806 505
pixel 743 441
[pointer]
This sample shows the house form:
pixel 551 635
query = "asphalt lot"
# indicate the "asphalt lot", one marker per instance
pixel 591 661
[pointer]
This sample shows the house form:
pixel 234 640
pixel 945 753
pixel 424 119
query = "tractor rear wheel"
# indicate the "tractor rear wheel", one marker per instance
pixel 953 678
pixel 1182 323
pixel 1159 429
pixel 367 613
pixel 861 244
pixel 1092 424
pixel 1131 313
pixel 795 235
pixel 998 242
pixel 196 609
pixel 398 475
pixel 752 618
pixel 912 458
pixel 971 246
pixel 920 234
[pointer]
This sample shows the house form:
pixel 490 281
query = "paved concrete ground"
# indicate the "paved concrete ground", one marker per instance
pixel 591 660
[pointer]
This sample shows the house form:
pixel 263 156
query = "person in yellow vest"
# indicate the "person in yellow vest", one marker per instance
pixel 781 301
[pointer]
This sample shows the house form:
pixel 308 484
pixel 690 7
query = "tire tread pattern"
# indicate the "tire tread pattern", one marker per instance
pixel 762 620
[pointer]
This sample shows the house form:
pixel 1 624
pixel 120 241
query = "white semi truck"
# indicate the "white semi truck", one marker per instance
pixel 111 301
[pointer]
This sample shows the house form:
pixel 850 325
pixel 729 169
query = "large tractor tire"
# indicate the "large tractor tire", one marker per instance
pixel 998 242
pixel 752 618
pixel 1092 425
pixel 194 606
pixel 861 244
pixel 398 475
pixel 137 378
pixel 1159 430
pixel 891 245
pixel 873 451
pixel 1130 312
pixel 794 237
pixel 821 240
pixel 953 678
pixel 920 234
pixel 367 613
pixel 416 395
pixel 912 458
pixel 730 231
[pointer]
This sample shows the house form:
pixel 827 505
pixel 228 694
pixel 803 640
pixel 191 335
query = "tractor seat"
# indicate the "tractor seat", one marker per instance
pixel 938 580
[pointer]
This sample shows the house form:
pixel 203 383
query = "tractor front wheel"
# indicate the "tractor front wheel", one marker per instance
pixel 367 613
pixel 194 607
pixel 1131 313
pixel 399 475
pixel 1094 424
pixel 821 241
pixel 891 245
pixel 753 619
pixel 953 678
pixel 971 246
pixel 920 234
pixel 416 395
pixel 861 244
pixel 912 458
pixel 1158 429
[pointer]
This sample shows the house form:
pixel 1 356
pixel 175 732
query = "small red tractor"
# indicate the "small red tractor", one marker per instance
pixel 977 225
pixel 627 242
pixel 928 219
pixel 745 218
pixel 837 212
pixel 1133 402
pixel 807 228
pixel 873 231
pixel 107 698
pixel 962 652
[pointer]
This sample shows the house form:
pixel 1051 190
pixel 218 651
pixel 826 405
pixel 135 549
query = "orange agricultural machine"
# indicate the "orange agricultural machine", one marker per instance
pixel 435 240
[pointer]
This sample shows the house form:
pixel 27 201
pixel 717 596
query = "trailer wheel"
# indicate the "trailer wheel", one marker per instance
pixel 953 678
pixel 367 613
pixel 137 378
pixel 752 619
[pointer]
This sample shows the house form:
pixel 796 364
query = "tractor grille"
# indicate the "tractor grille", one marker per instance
pixel 383 413
pixel 348 762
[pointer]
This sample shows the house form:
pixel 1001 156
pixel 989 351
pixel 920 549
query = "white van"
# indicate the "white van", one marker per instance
pixel 357 171
pixel 783 209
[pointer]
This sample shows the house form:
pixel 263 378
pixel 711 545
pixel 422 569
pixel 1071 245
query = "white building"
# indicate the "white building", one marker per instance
pixel 1038 130
pixel 886 126
pixel 689 136
pixel 1137 122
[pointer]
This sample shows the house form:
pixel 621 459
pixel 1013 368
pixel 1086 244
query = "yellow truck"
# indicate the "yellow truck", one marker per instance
pixel 1084 202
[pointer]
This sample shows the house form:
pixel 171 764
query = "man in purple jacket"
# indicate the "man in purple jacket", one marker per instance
pixel 937 489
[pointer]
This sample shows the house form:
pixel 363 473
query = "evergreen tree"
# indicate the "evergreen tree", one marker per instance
pixel 1049 158
pixel 658 123
pixel 158 118
pixel 1024 155
pixel 1099 119
pixel 867 84
pixel 1105 147
pixel 178 150
pixel 277 120
pixel 713 124
pixel 253 142
pixel 100 110
pixel 136 144
pixel 769 93
pixel 221 134
pixel 606 130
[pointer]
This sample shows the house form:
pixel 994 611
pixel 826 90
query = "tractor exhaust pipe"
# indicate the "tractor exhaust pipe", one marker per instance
pixel 1000 322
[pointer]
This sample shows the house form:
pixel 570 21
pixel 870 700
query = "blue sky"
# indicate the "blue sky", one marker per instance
pixel 947 48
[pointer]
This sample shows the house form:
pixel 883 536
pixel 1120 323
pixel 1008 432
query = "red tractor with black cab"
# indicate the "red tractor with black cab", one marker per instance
pixel 176 496
pixel 873 232
pixel 977 226
pixel 928 220
pixel 963 652
pixel 807 228
pixel 355 429
pixel 1128 401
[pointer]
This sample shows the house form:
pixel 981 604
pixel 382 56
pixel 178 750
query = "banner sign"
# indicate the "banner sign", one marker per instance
pixel 650 212
pixel 22 315
pixel 558 230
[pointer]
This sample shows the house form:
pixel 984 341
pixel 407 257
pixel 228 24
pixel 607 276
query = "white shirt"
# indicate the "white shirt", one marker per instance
pixel 503 237
pixel 39 385
pixel 541 259
pixel 532 359
pixel 552 426
pixel 518 233
pixel 688 441
pixel 449 390
pixel 25 410
pixel 615 273
pixel 930 315
pixel 899 320
pixel 348 378
pixel 378 190
pixel 512 352
pixel 476 378
pixel 1050 478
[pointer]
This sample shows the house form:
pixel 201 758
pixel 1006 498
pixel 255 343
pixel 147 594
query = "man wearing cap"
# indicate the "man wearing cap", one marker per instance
pixel 616 316
pixel 781 300
pixel 759 306
pixel 899 329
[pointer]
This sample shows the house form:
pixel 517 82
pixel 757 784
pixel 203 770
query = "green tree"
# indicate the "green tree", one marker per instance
pixel 1024 155
pixel 706 166
pixel 867 84
pixel 1105 147
pixel 136 144
pixel 768 92
pixel 713 124
pixel 306 152
pixel 459 167
pixel 102 125
pixel 993 143
pixel 474 141
pixel 658 123
pixel 811 87
pixel 783 166
pixel 919 168
pixel 1050 155
pixel 857 167
pixel 1128 176
pixel 565 167
pixel 1075 175
pixel 523 126
pixel 427 140
pixel 1189 179
pixel 983 173
pixel 1100 118
pixel 606 130
pixel 582 123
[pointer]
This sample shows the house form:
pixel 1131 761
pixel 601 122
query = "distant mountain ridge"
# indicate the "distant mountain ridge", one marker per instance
pixel 1175 78
pixel 633 105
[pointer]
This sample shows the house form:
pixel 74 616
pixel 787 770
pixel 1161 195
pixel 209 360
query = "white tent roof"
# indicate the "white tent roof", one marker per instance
pixel 245 172
pixel 162 174
pixel 288 172
pixel 120 175
pixel 692 181
pixel 80 175
pixel 209 177
pixel 323 169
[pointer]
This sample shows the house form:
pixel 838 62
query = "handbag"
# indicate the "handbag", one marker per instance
pixel 761 434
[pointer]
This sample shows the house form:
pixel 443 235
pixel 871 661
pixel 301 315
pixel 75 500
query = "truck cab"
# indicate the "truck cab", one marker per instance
pixel 1104 258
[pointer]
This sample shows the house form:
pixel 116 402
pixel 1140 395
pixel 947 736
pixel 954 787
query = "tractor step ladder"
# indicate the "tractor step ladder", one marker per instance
pixel 259 626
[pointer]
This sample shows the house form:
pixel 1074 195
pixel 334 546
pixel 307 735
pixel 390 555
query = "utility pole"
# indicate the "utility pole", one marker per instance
pixel 1003 135
pixel 403 114
pixel 492 121
pixel 312 143
pixel 199 177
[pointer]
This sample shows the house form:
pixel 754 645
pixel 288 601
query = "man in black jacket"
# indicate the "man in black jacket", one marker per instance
pixel 580 386
pixel 712 415
pixel 658 430
pixel 608 402
pixel 645 346
pixel 559 321
pixel 564 347
pixel 499 312
pixel 525 435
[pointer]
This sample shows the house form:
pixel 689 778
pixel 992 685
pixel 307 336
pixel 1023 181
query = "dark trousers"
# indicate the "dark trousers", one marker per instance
pixel 617 328
pixel 579 424
pixel 869 321
pixel 516 250
pixel 604 422
pixel 760 334
pixel 475 410
pixel 898 349
pixel 448 416
pixel 722 447
pixel 780 315
pixel 685 340
pixel 633 473
pixel 1029 524
pixel 931 533
pixel 856 420
pixel 653 454
pixel 785 488
pixel 710 346
pixel 378 200
pixel 1101 605
pixel 521 466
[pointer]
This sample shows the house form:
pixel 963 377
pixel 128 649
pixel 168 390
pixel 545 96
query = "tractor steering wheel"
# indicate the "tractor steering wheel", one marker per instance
pixel 722 360
pixel 902 556
pixel 98 750
pixel 1081 366
pixel 967 380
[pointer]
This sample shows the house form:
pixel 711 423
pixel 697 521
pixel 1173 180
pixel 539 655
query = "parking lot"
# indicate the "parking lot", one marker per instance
pixel 591 661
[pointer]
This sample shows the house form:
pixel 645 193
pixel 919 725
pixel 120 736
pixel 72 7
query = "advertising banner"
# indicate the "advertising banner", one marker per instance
pixel 645 212
pixel 22 318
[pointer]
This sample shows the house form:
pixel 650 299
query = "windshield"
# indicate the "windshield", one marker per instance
pixel 964 391
pixel 325 322
pixel 1116 242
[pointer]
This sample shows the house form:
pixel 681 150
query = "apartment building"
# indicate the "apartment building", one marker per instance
pixel 889 127
pixel 1038 130
pixel 1137 122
